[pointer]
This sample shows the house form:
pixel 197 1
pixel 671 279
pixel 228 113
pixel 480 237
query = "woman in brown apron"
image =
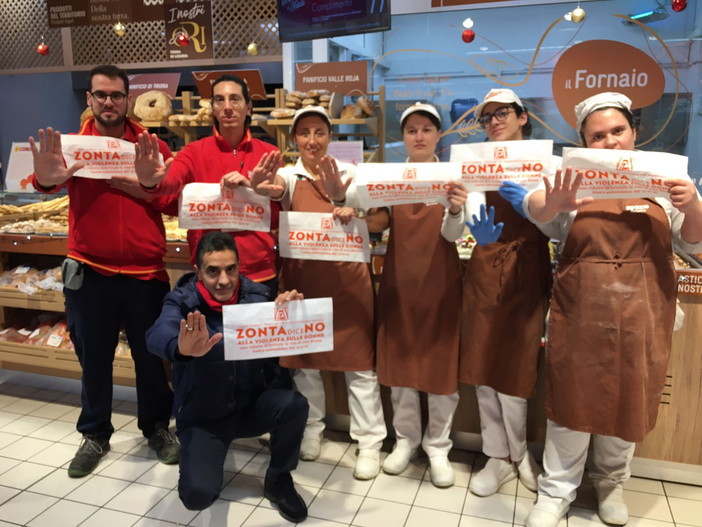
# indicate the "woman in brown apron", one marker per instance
pixel 611 321
pixel 419 305
pixel 505 297
pixel 349 285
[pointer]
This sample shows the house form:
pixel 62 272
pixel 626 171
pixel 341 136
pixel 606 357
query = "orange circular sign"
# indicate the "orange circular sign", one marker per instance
pixel 599 66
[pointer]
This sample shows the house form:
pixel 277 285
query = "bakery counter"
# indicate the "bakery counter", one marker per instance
pixel 677 436
pixel 46 251
pixel 40 300
pixel 34 244
pixel 672 450
pixel 177 252
pixel 59 362
pixel 57 244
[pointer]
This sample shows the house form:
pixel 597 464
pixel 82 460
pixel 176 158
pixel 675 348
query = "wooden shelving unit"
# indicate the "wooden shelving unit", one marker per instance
pixel 279 129
pixel 41 300
pixel 58 361
pixel 190 131
pixel 48 360
pixel 367 127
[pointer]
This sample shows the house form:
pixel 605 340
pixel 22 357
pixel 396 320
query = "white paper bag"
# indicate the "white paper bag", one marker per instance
pixel 484 166
pixel 387 184
pixel 318 236
pixel 255 331
pixel 207 206
pixel 104 156
pixel 624 173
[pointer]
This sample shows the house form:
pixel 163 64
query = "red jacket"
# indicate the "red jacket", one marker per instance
pixel 110 230
pixel 206 161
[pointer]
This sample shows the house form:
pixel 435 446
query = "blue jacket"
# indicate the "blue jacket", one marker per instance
pixel 209 387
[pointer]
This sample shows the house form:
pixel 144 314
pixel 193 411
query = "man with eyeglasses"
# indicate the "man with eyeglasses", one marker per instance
pixel 505 295
pixel 114 276
pixel 228 157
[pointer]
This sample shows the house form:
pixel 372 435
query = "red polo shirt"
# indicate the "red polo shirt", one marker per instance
pixel 207 160
pixel 111 231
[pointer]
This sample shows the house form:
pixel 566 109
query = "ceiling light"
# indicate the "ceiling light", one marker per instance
pixel 646 17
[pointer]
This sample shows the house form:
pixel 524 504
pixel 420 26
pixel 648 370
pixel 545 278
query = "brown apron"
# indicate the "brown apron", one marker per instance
pixel 611 322
pixel 419 303
pixel 349 285
pixel 505 298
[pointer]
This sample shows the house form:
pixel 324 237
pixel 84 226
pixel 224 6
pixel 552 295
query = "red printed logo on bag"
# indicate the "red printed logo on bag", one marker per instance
pixel 625 163
pixel 409 173
pixel 281 314
pixel 114 145
pixel 327 224
pixel 500 152
pixel 227 193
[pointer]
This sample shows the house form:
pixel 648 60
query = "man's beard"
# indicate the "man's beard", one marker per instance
pixel 111 122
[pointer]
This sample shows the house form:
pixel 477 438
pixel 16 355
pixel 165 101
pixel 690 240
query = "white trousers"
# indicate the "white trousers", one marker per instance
pixel 407 420
pixel 565 454
pixel 503 423
pixel 367 424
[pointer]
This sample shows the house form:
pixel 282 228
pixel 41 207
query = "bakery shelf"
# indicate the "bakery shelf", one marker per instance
pixel 177 252
pixel 188 130
pixel 34 243
pixel 41 300
pixel 370 122
pixel 19 216
pixel 374 127
pixel 57 244
pixel 57 361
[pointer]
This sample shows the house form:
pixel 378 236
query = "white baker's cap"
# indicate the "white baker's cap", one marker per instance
pixel 308 110
pixel 608 99
pixel 502 95
pixel 419 107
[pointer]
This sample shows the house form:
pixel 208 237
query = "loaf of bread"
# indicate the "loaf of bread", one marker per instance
pixel 153 105
pixel 367 105
pixel 282 113
pixel 351 111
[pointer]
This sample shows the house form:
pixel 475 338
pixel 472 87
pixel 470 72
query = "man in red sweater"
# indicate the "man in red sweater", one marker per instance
pixel 114 276
pixel 228 157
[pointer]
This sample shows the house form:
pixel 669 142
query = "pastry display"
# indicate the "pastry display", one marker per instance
pixel 153 105
pixel 367 105
pixel 173 232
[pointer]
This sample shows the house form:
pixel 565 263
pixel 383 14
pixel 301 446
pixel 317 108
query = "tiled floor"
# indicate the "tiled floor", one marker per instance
pixel 130 488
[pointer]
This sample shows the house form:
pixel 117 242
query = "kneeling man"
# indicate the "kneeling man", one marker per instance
pixel 217 401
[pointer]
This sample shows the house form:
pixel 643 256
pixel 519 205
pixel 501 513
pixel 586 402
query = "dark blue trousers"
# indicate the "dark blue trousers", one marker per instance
pixel 204 446
pixel 96 311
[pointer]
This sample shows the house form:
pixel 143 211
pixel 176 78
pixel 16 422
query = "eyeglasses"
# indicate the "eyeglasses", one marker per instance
pixel 500 114
pixel 101 97
pixel 234 100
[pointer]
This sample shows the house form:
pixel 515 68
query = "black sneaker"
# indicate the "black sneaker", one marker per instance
pixel 282 492
pixel 166 445
pixel 89 454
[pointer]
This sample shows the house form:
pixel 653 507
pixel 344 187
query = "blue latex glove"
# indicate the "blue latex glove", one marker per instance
pixel 484 229
pixel 513 193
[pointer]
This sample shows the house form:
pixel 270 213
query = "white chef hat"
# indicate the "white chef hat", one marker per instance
pixel 308 110
pixel 419 107
pixel 608 99
pixel 502 95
